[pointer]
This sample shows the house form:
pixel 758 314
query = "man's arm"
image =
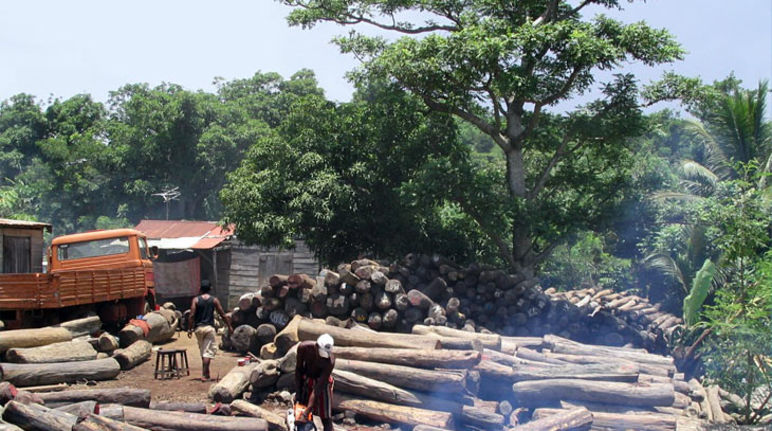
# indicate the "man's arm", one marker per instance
pixel 221 312
pixel 192 314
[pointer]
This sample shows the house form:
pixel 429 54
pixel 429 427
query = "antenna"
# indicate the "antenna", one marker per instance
pixel 169 195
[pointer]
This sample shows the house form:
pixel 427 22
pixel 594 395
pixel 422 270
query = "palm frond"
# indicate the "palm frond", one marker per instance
pixel 698 292
pixel 665 265
pixel 680 196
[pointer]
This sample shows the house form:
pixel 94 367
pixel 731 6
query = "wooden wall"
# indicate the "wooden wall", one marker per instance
pixel 251 266
pixel 36 245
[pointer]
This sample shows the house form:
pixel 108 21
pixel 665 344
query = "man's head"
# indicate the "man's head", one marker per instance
pixel 324 345
pixel 206 286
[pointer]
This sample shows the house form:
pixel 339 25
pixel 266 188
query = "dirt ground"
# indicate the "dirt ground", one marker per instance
pixel 185 389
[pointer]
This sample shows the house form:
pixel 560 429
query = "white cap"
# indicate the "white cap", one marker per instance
pixel 324 344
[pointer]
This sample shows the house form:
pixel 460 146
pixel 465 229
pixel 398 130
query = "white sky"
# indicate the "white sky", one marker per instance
pixel 62 48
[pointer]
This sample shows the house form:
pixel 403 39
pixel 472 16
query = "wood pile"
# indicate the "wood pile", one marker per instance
pixel 512 383
pixel 430 291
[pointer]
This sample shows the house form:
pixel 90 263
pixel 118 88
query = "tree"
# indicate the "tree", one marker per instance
pixel 501 67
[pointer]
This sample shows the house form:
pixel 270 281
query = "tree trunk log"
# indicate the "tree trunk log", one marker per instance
pixel 34 417
pixel 79 409
pixel 561 345
pixel 160 330
pixel 446 381
pixel 126 396
pixel 69 372
pixel 645 368
pixel 619 421
pixel 481 418
pixel 232 385
pixel 611 372
pixel 490 341
pixel 101 423
pixel 137 353
pixel 180 421
pixel 391 413
pixel 33 337
pixel 540 392
pixel 172 406
pixel 57 352
pixel 411 357
pixel 107 343
pixel 275 422
pixel 85 326
pixel 354 384
pixel 563 420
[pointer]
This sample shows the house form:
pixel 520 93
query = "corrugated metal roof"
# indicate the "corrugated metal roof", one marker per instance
pixel 6 222
pixel 183 234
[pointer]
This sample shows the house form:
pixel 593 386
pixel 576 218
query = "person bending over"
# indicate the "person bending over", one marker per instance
pixel 313 378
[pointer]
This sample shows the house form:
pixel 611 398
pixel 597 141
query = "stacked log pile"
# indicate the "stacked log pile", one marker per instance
pixel 423 290
pixel 504 382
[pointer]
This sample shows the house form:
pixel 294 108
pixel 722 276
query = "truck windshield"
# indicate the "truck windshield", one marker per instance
pixel 99 247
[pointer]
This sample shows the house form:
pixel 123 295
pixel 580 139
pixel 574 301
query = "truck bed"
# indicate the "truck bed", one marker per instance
pixel 69 288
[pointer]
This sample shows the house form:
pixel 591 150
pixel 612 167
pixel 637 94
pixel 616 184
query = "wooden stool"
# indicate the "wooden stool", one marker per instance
pixel 171 363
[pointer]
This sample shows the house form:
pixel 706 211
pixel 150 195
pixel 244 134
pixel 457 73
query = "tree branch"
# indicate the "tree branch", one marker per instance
pixel 346 18
pixel 478 122
pixel 563 90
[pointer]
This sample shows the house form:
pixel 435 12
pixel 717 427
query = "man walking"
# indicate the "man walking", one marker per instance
pixel 313 378
pixel 201 319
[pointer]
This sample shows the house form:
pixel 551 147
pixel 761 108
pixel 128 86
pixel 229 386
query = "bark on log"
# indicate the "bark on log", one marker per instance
pixel 539 392
pixel 265 374
pixel 182 421
pixel 85 326
pixel 232 385
pixel 160 330
pixel 481 418
pixel 107 343
pixel 137 353
pixel 715 405
pixel 391 413
pixel 307 329
pixel 67 372
pixel 277 280
pixel 446 381
pixel 411 357
pixel 563 420
pixel 95 422
pixel 275 422
pixel 172 406
pixel 125 396
pixel 509 345
pixel 242 338
pixel 354 384
pixel 645 368
pixel 34 417
pixel 79 409
pixel 612 372
pixel 490 341
pixel 561 345
pixel 57 352
pixel 619 421
pixel 33 337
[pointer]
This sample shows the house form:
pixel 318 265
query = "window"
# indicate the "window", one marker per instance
pixel 99 247
pixel 143 253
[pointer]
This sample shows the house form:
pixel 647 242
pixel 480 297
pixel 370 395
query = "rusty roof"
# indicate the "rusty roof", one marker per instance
pixel 202 235
pixel 24 224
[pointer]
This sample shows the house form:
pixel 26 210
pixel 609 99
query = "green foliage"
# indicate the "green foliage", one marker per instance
pixel 499 68
pixel 586 262
pixel 699 292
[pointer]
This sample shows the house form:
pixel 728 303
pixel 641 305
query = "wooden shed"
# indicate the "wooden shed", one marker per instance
pixel 23 246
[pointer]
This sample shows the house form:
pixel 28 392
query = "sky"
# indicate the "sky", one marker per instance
pixel 57 49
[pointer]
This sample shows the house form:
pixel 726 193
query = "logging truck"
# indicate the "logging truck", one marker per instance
pixel 109 272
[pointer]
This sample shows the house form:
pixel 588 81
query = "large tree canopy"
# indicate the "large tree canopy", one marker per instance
pixel 500 66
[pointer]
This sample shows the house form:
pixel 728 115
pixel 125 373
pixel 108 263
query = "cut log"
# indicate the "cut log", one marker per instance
pixel 137 353
pixel 384 412
pixel 160 329
pixel 265 374
pixel 510 344
pixel 619 421
pixel 645 368
pixel 536 393
pixel 612 372
pixel 34 417
pixel 79 409
pixel 562 345
pixel 446 381
pixel 307 329
pixel 85 326
pixel 715 405
pixel 564 420
pixel 33 337
pixel 243 338
pixel 411 357
pixel 275 422
pixel 125 396
pixel 182 421
pixel 354 384
pixel 107 343
pixel 173 406
pixel 232 385
pixel 66 372
pixel 57 352
pixel 490 341
pixel 95 422
pixel 481 418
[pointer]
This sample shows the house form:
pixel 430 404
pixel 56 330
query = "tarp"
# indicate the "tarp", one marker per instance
pixel 177 279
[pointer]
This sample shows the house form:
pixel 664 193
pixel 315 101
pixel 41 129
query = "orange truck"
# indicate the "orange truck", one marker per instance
pixel 109 272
